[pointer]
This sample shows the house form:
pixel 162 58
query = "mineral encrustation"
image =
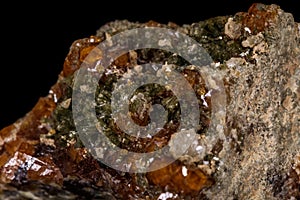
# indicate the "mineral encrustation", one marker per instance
pixel 254 152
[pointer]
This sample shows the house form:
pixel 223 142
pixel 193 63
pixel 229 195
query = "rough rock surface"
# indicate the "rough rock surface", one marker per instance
pixel 258 55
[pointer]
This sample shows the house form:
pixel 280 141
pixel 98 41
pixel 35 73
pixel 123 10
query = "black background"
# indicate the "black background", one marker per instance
pixel 36 38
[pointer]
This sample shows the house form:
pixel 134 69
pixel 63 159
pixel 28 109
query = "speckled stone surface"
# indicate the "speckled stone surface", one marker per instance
pixel 258 156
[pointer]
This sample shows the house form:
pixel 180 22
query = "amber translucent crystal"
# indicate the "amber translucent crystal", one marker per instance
pixel 78 52
pixel 174 178
pixel 25 167
pixel 18 145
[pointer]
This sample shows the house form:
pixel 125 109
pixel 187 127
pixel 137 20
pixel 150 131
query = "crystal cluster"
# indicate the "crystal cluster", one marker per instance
pixel 253 152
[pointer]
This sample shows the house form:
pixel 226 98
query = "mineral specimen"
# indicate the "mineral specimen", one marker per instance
pixel 252 153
